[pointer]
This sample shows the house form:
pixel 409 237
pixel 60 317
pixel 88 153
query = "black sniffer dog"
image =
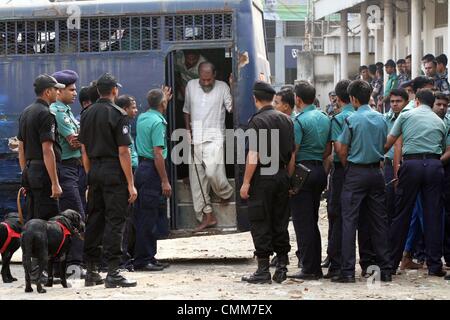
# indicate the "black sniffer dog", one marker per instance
pixel 10 230
pixel 48 241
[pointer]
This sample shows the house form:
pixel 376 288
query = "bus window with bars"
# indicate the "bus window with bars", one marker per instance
pixel 141 33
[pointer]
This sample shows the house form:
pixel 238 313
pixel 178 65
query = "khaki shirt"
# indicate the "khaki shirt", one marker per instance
pixel 423 131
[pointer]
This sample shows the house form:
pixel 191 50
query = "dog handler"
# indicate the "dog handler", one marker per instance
pixel 39 151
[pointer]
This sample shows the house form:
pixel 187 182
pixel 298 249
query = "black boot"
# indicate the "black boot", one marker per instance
pixel 261 275
pixel 326 263
pixel 114 279
pixel 93 278
pixel 273 262
pixel 280 272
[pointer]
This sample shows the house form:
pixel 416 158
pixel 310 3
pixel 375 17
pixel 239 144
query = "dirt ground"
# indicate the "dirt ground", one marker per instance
pixel 211 267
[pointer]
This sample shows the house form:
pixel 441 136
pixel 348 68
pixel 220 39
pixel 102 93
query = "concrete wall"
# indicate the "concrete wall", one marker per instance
pixel 332 45
pixel 326 73
pixel 439 32
pixel 429 33
pixel 273 70
pixel 280 44
pixel 402 39
pixel 401 29
pixel 323 77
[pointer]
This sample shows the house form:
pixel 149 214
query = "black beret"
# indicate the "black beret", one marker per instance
pixel 263 86
pixel 66 77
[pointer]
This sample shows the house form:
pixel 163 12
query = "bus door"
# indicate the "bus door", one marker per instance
pixel 182 213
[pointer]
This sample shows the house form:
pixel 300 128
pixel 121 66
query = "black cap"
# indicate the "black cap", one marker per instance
pixel 332 93
pixel 66 77
pixel 45 81
pixel 406 84
pixel 263 86
pixel 390 63
pixel 107 80
pixel 421 82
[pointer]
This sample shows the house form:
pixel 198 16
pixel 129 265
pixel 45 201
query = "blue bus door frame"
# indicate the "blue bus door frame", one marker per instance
pixel 241 221
pixel 170 81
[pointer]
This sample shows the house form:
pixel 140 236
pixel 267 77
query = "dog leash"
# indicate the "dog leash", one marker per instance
pixel 19 205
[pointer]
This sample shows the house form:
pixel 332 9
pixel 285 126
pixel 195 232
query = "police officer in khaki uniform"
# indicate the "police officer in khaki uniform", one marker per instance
pixel 361 149
pixel 440 108
pixel 424 140
pixel 337 180
pixel 105 138
pixel 70 168
pixel 312 129
pixel 152 180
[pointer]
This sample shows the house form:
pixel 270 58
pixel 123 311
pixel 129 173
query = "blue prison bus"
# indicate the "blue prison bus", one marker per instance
pixel 137 41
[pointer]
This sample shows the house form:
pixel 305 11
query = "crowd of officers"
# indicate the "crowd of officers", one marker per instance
pixel 66 161
pixel 381 171
pixel 386 174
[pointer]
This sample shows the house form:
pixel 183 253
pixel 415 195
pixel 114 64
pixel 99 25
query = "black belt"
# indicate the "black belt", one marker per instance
pixel 35 161
pixel 421 156
pixel 311 162
pixel 338 165
pixel 104 159
pixel 365 165
pixel 71 162
pixel 281 166
pixel 146 159
pixel 388 162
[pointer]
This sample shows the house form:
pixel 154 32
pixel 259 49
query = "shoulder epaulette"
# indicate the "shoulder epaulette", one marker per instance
pixel 299 114
pixel 84 109
pixel 115 106
pixel 60 109
pixel 251 118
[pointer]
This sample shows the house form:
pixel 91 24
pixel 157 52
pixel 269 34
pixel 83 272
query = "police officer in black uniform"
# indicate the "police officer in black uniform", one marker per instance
pixel 39 151
pixel 87 96
pixel 105 138
pixel 268 192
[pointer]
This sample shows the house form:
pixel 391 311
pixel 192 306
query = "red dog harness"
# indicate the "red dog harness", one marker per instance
pixel 11 235
pixel 66 233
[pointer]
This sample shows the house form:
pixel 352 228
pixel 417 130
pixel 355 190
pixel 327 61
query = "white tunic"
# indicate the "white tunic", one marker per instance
pixel 207 110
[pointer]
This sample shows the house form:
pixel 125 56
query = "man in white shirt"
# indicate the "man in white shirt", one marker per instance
pixel 206 101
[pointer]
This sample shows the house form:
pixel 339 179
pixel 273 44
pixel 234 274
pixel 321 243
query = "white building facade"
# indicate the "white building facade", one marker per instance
pixel 399 28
